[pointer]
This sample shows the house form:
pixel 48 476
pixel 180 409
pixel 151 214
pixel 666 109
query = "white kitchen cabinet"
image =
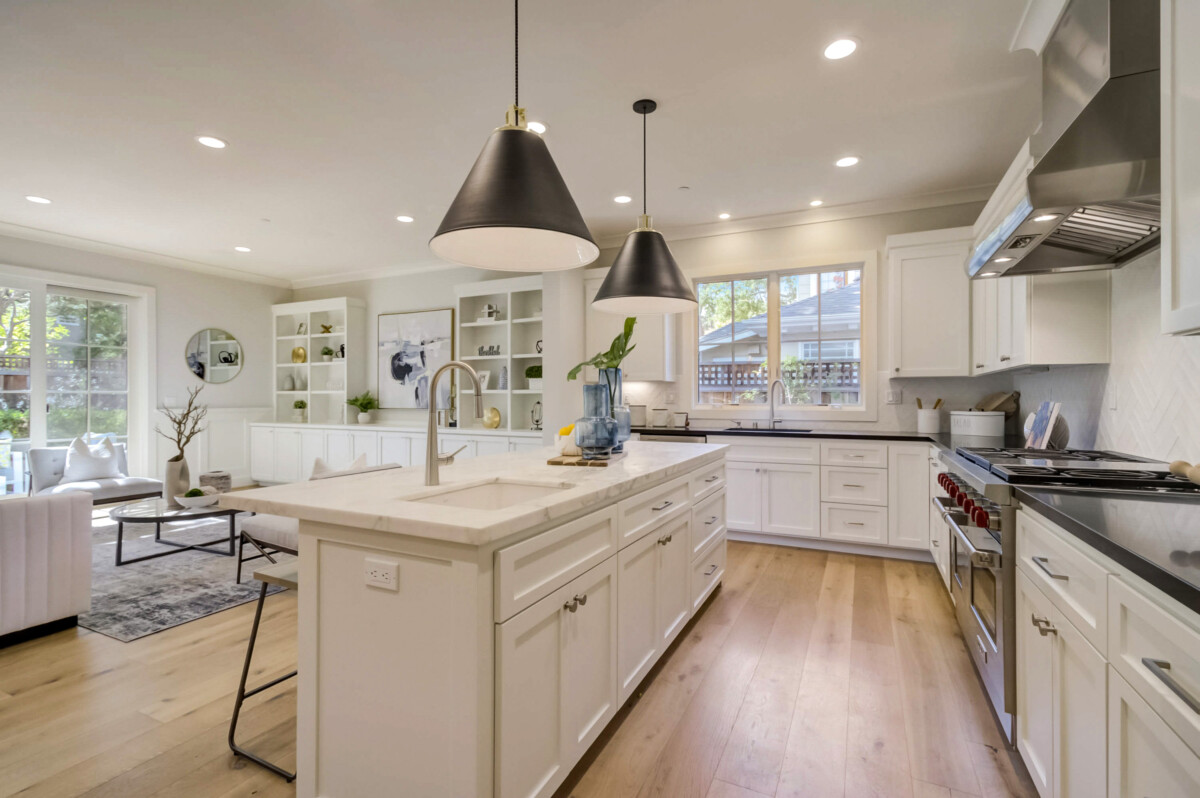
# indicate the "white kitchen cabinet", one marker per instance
pixel 1034 733
pixel 791 499
pixel 397 448
pixel 485 446
pixel 1180 252
pixel 743 496
pixel 343 447
pixel 908 496
pixel 262 454
pixel 939 533
pixel 674 561
pixel 983 299
pixel 295 451
pixel 854 523
pixel 1145 758
pixel 525 444
pixel 927 279
pixel 655 355
pixel 556 684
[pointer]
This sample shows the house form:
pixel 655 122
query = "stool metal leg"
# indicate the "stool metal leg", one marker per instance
pixel 243 693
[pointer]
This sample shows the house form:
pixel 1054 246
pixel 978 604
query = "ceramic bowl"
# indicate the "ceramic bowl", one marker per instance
pixel 198 501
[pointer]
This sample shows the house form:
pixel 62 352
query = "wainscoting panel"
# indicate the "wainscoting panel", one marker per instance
pixel 224 445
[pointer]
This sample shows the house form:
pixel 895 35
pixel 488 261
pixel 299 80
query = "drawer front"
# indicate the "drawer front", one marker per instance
pixel 1145 758
pixel 707 570
pixel 1072 580
pixel 854 485
pixel 854 523
pixel 708 481
pixel 708 521
pixel 535 568
pixel 845 453
pixel 1158 655
pixel 639 514
pixel 769 450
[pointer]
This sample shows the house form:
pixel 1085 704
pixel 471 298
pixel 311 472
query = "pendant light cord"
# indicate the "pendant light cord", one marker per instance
pixel 644 164
pixel 517 53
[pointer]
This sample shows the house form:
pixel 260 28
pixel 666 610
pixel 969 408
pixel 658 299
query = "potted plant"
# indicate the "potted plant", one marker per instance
pixel 365 404
pixel 609 365
pixel 534 375
pixel 185 425
pixel 327 353
pixel 298 408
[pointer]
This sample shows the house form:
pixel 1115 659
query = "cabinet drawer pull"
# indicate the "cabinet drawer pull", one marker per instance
pixel 978 365
pixel 1043 625
pixel 982 648
pixel 1159 668
pixel 662 506
pixel 665 539
pixel 712 569
pixel 572 605
pixel 852 485
pixel 1005 358
pixel 711 521
pixel 1044 564
pixel 855 456
pixel 855 523
pixel 713 478
pixel 936 542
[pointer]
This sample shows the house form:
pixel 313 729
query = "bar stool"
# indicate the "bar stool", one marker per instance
pixel 284 574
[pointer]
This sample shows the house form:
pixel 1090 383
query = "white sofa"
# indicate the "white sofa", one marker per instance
pixel 46 472
pixel 45 563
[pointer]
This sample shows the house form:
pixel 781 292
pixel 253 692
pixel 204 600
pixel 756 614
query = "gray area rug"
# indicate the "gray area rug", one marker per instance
pixel 142 598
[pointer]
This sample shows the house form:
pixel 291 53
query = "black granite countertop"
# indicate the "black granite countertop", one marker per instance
pixel 943 440
pixel 1155 537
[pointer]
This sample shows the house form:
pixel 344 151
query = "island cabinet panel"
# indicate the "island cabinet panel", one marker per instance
pixel 638 646
pixel 708 521
pixel 674 559
pixel 707 570
pixel 641 513
pixel 743 505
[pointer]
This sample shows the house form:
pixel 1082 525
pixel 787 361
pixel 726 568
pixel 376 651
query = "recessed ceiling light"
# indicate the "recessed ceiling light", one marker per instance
pixel 1001 260
pixel 723 216
pixel 242 249
pixel 817 203
pixel 537 127
pixel 840 49
pixel 39 200
pixel 405 219
pixel 211 141
pixel 849 160
pixel 988 274
pixel 1045 217
pixel 622 199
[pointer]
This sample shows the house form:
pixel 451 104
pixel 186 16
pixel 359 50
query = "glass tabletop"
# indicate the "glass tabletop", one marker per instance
pixel 163 510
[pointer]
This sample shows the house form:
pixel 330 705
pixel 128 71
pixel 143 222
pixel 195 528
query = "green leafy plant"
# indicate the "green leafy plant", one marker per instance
pixel 300 404
pixel 617 352
pixel 327 351
pixel 364 402
pixel 533 372
pixel 193 493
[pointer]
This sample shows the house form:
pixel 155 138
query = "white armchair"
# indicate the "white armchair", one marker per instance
pixel 45 563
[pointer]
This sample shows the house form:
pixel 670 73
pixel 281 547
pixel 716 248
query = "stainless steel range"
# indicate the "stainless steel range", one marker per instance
pixel 976 501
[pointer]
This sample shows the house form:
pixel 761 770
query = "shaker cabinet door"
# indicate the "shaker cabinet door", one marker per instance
pixel 743 497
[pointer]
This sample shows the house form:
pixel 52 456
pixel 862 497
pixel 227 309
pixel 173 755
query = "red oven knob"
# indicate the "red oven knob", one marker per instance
pixel 980 517
pixel 969 508
pixel 952 490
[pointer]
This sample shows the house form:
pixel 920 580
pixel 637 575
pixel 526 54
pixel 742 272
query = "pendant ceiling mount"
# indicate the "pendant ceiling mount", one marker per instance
pixel 645 278
pixel 514 211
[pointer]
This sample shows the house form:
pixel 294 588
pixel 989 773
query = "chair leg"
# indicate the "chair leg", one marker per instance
pixel 241 551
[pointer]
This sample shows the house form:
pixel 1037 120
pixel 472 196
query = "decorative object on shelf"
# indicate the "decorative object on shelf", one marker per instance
pixel 326 329
pixel 185 425
pixel 681 420
pixel 514 211
pixel 198 497
pixel 596 431
pixel 503 384
pixel 220 481
pixel 616 402
pixel 341 353
pixel 538 346
pixel 661 417
pixel 535 417
pixel 302 328
pixel 491 418
pixel 485 377
pixel 480 351
pixel 645 278
pixel 533 374
pixel 298 408
pixel 489 313
pixel 412 346
pixel 365 403
pixel 213 355
pixel 299 355
pixel 327 353
pixel 289 383
pixel 609 365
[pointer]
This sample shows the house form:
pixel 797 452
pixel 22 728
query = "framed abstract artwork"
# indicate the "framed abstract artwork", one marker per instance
pixel 411 347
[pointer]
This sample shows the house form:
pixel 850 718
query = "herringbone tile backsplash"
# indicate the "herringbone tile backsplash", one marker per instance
pixel 1147 402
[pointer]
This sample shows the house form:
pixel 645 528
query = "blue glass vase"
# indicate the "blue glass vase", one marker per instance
pixel 617 407
pixel 596 432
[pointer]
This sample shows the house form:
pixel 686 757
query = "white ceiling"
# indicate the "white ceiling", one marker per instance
pixel 344 113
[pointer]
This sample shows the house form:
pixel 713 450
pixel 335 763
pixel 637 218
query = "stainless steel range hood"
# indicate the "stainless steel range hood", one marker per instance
pixel 1084 191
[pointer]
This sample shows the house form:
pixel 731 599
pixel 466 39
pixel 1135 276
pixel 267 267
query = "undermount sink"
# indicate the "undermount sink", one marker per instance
pixel 494 495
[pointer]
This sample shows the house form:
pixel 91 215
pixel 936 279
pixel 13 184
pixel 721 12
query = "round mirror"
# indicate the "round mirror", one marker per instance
pixel 214 355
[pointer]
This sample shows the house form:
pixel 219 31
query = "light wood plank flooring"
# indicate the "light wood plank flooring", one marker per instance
pixel 808 674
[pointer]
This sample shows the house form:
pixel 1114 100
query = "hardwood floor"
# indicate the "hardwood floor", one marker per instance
pixel 808 674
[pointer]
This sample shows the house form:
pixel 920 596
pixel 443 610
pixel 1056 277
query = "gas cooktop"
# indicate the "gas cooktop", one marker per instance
pixel 1082 469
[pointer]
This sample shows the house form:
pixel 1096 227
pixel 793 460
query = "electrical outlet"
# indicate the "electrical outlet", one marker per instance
pixel 670 398
pixel 895 397
pixel 381 573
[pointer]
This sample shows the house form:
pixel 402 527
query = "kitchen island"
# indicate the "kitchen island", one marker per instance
pixel 474 638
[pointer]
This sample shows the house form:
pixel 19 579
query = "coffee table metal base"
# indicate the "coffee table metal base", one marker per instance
pixel 178 547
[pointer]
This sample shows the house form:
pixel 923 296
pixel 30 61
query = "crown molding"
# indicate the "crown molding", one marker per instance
pixel 372 274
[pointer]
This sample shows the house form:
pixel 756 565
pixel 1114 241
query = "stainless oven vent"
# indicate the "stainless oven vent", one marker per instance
pixel 1109 230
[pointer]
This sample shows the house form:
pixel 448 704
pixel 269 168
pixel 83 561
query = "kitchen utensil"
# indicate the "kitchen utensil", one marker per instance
pixel 977 422
pixel 660 416
pixel 637 415
pixel 919 405
pixel 938 404
pixel 929 421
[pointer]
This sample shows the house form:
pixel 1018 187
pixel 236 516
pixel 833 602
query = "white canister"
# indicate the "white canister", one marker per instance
pixel 637 415
pixel 929 421
pixel 661 416
pixel 977 422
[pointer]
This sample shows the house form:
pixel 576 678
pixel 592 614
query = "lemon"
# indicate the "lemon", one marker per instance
pixel 567 430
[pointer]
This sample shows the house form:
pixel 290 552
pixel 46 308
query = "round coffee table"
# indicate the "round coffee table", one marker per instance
pixel 161 511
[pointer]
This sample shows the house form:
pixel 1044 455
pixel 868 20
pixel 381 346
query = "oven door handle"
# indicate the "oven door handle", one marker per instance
pixel 980 558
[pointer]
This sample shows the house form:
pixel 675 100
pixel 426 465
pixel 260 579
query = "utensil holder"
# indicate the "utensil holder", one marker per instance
pixel 929 421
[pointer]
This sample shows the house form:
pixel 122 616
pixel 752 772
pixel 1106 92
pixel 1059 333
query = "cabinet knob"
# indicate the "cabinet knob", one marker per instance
pixel 572 605
pixel 897 369
pixel 582 599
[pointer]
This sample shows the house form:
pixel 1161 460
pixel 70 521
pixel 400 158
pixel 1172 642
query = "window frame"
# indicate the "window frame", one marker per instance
pixel 868 411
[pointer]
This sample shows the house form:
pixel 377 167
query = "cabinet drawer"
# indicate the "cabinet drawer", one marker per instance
pixel 708 521
pixel 708 481
pixel 1157 654
pixel 1069 577
pixel 535 568
pixel 854 523
pixel 641 513
pixel 854 485
pixel 769 450
pixel 707 570
pixel 868 455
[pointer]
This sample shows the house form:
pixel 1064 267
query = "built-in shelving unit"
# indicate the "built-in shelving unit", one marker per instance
pixel 516 329
pixel 323 385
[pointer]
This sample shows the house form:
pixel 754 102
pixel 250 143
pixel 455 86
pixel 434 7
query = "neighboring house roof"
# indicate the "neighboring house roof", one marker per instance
pixel 844 301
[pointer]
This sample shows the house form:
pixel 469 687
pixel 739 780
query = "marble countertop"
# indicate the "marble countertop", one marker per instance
pixel 387 500
pixel 414 429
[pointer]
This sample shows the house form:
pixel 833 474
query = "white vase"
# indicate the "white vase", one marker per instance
pixel 298 416
pixel 364 418
pixel 327 358
pixel 176 479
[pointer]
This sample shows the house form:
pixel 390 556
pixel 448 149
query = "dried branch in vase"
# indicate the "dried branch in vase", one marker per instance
pixel 186 424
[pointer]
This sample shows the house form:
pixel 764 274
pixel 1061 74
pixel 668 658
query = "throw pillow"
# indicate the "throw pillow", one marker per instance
pixel 85 463
pixel 322 469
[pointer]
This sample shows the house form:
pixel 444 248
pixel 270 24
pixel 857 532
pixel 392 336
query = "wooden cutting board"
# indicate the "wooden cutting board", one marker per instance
pixel 577 460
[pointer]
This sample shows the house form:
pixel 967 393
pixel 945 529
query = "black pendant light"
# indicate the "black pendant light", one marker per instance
pixel 514 212
pixel 644 278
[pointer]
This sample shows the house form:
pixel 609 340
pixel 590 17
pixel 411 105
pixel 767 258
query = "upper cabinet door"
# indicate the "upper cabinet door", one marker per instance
pixel 1180 20
pixel 926 282
pixel 653 359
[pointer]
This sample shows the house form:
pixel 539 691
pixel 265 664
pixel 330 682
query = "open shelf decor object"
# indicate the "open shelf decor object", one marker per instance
pixel 320 358
pixel 411 347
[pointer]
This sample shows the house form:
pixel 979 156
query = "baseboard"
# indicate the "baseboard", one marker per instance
pixel 41 630
pixel 914 555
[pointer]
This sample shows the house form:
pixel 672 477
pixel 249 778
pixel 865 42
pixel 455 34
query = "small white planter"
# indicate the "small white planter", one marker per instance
pixel 298 416
pixel 327 358
pixel 535 384
pixel 364 418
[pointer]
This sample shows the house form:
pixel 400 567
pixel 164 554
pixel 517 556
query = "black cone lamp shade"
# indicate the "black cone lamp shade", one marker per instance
pixel 514 212
pixel 645 279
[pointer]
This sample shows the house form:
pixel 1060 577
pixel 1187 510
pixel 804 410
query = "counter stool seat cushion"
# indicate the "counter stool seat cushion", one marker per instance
pixel 276 531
